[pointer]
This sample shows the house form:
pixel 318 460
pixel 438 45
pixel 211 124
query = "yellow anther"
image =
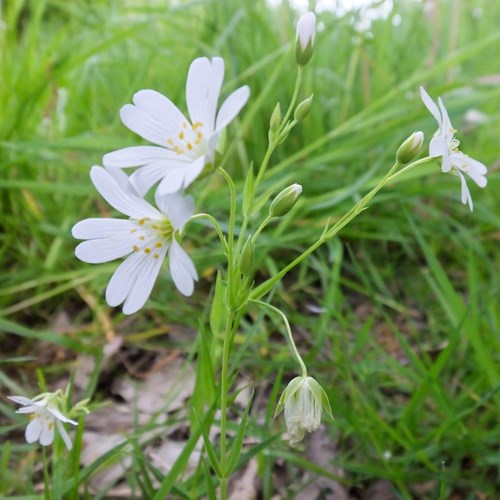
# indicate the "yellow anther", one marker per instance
pixel 189 146
pixel 170 141
pixel 155 255
pixel 197 125
pixel 147 250
pixel 158 244
pixel 136 248
pixel 181 136
pixel 154 226
pixel 133 230
pixel 141 237
pixel 184 125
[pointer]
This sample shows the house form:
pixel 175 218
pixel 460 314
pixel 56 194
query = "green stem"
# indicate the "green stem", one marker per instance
pixel 330 233
pixel 217 228
pixel 232 214
pixel 289 335
pixel 265 222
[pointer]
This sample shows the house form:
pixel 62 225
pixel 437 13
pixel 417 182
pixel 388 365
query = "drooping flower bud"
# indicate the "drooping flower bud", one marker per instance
pixel 306 31
pixel 302 110
pixel 303 401
pixel 285 200
pixel 410 148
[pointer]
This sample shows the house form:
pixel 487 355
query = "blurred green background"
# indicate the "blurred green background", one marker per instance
pixel 398 318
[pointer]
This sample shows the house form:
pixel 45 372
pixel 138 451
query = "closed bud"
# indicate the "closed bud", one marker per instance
pixel 304 45
pixel 410 148
pixel 302 110
pixel 285 201
pixel 246 258
pixel 275 122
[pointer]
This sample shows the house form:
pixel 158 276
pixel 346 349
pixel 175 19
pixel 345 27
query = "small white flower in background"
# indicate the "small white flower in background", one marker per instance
pixel 306 32
pixel 184 146
pixel 145 238
pixel 445 145
pixel 303 400
pixel 44 415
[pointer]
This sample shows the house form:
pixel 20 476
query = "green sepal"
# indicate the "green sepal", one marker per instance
pixel 290 390
pixel 320 395
pixel 303 56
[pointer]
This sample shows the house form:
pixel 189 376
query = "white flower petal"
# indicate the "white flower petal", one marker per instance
pixel 231 107
pixel 173 181
pixel 193 171
pixel 177 208
pixel 466 197
pixel 102 228
pixel 203 86
pixel 105 249
pixel 306 29
pixel 137 156
pixel 33 430
pixel 64 435
pixel 145 177
pixel 431 106
pixel 20 400
pixel 182 269
pixel 28 409
pixel 446 126
pixel 438 146
pixel 476 166
pixel 162 110
pixel 60 416
pixel 47 434
pixel 123 278
pixel 123 201
pixel 141 290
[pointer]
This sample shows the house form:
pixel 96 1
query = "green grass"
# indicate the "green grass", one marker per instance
pixel 407 342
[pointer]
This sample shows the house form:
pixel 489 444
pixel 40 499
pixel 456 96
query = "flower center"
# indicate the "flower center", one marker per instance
pixel 188 141
pixel 152 235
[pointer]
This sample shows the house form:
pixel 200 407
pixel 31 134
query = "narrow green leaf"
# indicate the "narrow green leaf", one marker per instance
pixel 235 452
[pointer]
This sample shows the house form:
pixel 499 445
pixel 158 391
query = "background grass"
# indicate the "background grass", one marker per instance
pixel 398 318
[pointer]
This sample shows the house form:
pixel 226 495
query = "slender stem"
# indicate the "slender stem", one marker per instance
pixel 223 403
pixel 410 166
pixel 273 144
pixel 217 228
pixel 265 222
pixel 232 214
pixel 329 233
pixel 289 335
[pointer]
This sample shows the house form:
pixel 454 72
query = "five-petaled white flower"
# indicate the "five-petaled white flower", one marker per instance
pixel 146 238
pixel 44 415
pixel 445 145
pixel 183 147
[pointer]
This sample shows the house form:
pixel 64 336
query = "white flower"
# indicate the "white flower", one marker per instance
pixel 303 400
pixel 445 145
pixel 146 238
pixel 183 147
pixel 306 32
pixel 44 415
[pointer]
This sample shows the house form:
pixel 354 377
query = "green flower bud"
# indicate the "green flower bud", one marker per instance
pixel 302 110
pixel 275 122
pixel 410 148
pixel 304 45
pixel 285 201
pixel 246 258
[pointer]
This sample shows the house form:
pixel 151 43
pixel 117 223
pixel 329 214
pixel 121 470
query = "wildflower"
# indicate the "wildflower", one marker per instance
pixel 303 401
pixel 445 145
pixel 304 45
pixel 410 148
pixel 183 147
pixel 145 238
pixel 44 414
